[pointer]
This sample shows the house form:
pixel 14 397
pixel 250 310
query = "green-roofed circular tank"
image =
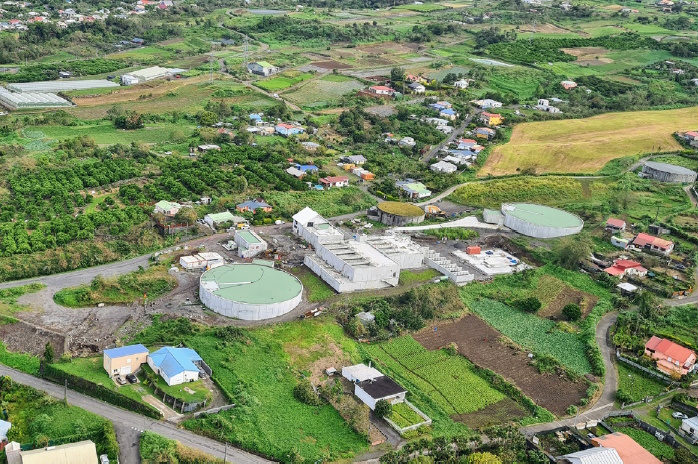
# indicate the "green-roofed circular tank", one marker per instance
pixel 540 221
pixel 394 213
pixel 250 291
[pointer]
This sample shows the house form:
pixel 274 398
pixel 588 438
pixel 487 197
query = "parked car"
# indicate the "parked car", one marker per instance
pixel 679 415
pixel 120 380
pixel 104 459
pixel 131 378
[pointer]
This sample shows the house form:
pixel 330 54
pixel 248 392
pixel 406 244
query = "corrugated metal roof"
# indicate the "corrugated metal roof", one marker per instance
pixel 125 351
pixel 174 361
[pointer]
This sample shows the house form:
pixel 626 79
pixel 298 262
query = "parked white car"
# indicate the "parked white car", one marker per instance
pixel 679 415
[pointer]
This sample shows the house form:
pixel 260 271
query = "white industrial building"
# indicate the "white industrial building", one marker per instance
pixel 203 260
pixel 148 74
pixel 361 262
pixel 492 262
pixel 249 243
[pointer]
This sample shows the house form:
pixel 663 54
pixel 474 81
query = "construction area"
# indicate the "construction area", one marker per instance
pixel 491 262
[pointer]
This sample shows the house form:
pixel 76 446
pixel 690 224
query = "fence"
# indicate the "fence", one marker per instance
pixel 403 430
pixel 97 391
pixel 176 403
pixel 642 368
pixel 658 433
pixel 214 410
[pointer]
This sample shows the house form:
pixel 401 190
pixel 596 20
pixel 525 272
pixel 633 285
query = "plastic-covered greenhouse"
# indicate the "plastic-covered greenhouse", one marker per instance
pixel 17 101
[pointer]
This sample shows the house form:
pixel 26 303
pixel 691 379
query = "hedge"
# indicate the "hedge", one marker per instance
pixel 97 391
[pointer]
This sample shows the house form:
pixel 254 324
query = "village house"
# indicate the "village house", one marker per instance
pixel 310 146
pixel 448 113
pixel 286 129
pixel 249 243
pixel 253 206
pixel 208 147
pixel 81 452
pixel 568 85
pixel 646 242
pixel 295 172
pixel 615 225
pixel 176 365
pixel 624 267
pixel 461 84
pixel 691 135
pixel 406 142
pixel 486 103
pixel 690 426
pixel 485 133
pixel 620 242
pixel 216 219
pixel 416 87
pixel 371 386
pixel 443 167
pixel 413 188
pixel 381 90
pixel 438 122
pixel 124 360
pixel 357 160
pixel 491 119
pixel 334 181
pixel 168 208
pixel 262 68
pixel 671 358
pixel 413 78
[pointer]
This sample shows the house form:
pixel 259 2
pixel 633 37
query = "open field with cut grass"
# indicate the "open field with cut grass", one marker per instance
pixel 283 81
pixel 586 145
pixel 104 132
pixel 323 92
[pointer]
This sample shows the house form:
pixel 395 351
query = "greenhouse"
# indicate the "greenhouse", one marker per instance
pixel 17 101
pixel 61 85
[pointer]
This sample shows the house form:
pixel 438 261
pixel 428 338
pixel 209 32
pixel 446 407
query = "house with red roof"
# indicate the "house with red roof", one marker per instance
pixel 381 90
pixel 671 358
pixel 628 450
pixel 691 135
pixel 623 267
pixel 615 225
pixel 334 181
pixel 647 242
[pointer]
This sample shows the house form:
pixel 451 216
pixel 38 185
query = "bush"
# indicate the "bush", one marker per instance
pixel 572 312
pixel 383 409
pixel 530 304
pixel 304 393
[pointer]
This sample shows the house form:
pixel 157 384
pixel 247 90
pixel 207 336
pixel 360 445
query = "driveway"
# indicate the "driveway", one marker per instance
pixel 124 420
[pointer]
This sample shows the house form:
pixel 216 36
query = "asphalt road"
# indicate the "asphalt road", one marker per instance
pixel 455 134
pixel 128 421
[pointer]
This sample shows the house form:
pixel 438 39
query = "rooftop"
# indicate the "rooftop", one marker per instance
pixel 175 360
pixel 400 209
pixel 254 283
pixel 671 168
pixel 542 215
pixel 669 348
pixel 125 351
pixel 82 452
pixel 381 387
pixel 628 450
pixel 249 236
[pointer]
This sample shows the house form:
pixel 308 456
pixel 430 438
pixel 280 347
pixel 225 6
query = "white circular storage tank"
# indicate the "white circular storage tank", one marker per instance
pixel 540 221
pixel 249 291
pixel 665 172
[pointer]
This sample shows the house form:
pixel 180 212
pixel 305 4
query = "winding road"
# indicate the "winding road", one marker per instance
pixel 126 420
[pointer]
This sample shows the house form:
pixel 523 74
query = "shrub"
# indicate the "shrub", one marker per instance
pixel 383 409
pixel 571 410
pixel 305 393
pixel 530 304
pixel 572 312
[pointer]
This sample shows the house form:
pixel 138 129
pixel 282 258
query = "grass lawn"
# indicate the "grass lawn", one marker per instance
pixel 92 369
pixel 283 81
pixel 323 92
pixel 404 416
pixel 316 289
pixel 201 391
pixel 328 203
pixel 582 145
pixel 154 281
pixel 659 449
pixel 637 384
pixel 408 277
pixel 104 132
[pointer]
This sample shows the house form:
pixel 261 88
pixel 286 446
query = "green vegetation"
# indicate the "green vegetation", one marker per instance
pixel 283 81
pixel 199 391
pixel 529 189
pixel 401 209
pixel 8 298
pixel 257 370
pixel 408 277
pixel 328 203
pixel 39 420
pixel 156 449
pixel 659 449
pixel 316 289
pixel 634 385
pixel 404 416
pixel 679 323
pixel 154 282
pixel 453 233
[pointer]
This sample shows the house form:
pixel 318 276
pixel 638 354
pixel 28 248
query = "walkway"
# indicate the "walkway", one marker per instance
pixel 123 419
pixel 468 221
pixel 605 402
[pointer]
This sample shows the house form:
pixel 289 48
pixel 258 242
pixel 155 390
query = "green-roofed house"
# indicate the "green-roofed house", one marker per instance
pixel 413 189
pixel 216 219
pixel 262 68
pixel 168 208
pixel 249 243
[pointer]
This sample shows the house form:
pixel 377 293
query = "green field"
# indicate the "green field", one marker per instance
pixel 104 132
pixel 425 7
pixel 582 145
pixel 637 385
pixel 316 289
pixel 328 203
pixel 283 81
pixel 323 92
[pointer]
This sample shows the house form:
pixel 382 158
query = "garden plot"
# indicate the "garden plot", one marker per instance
pixel 323 92
pixel 589 56
pixel 483 345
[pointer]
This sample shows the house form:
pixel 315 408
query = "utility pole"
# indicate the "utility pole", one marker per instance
pixel 65 392
pixel 245 59
pixel 225 456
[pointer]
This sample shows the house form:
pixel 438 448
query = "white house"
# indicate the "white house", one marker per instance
pixel 461 84
pixel 407 142
pixel 444 167
pixel 416 87
pixel 334 181
pixel 249 243
pixel 175 365
pixel 371 386
pixel 168 208
pixel 690 426
pixel 262 68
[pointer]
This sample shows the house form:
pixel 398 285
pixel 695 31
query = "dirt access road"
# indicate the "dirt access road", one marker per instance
pixel 126 420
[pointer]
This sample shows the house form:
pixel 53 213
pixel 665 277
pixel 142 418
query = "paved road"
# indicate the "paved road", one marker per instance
pixel 126 420
pixel 468 221
pixel 456 133
pixel 692 299
pixel 605 402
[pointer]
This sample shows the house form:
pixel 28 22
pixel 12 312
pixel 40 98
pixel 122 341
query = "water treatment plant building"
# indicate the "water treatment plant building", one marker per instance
pixel 250 292
pixel 665 172
pixel 540 221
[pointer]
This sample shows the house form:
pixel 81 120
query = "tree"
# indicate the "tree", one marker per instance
pixel 530 304
pixel 48 353
pixel 383 409
pixel 572 312
pixel 397 74
pixel 483 458
pixel 569 251
pixel 304 393
pixel 186 216
pixel 207 118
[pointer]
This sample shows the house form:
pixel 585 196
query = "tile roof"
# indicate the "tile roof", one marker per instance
pixel 628 450
pixel 613 222
pixel 643 239
pixel 669 348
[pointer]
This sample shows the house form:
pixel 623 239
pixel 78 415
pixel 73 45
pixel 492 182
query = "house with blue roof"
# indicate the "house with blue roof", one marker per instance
pixel 448 113
pixel 125 359
pixel 176 365
pixel 307 168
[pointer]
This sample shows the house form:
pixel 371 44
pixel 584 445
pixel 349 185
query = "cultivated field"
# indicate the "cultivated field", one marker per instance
pixel 586 145
pixel 482 344
pixel 322 92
